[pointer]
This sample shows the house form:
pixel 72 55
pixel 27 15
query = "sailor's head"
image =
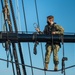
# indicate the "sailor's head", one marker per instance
pixel 50 19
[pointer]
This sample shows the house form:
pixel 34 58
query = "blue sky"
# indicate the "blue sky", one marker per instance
pixel 64 13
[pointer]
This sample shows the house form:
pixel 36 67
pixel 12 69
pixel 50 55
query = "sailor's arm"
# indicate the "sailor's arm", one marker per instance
pixel 38 30
pixel 60 29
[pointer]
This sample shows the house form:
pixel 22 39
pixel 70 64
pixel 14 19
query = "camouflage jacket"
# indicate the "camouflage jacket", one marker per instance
pixel 54 28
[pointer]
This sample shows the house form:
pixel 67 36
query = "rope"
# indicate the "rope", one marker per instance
pixel 39 28
pixel 74 52
pixel 19 44
pixel 1 19
pixel 7 54
pixel 37 13
pixel 27 32
pixel 24 16
pixel 11 55
pixel 64 58
pixel 3 28
pixel 13 45
pixel 37 67
pixel 18 14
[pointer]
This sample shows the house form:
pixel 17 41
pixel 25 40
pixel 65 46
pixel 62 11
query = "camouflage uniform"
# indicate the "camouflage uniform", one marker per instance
pixel 56 45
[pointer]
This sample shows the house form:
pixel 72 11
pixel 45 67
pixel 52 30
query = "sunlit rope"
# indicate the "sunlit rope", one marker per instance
pixel 39 28
pixel 37 67
pixel 1 19
pixel 19 44
pixel 18 14
pixel 27 32
pixel 3 27
pixel 37 13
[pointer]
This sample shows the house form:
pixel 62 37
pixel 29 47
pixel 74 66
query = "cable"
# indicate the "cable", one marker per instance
pixel 13 44
pixel 64 58
pixel 2 27
pixel 37 13
pixel 1 19
pixel 27 32
pixel 18 14
pixel 37 67
pixel 5 24
pixel 39 28
pixel 74 52
pixel 19 44
pixel 11 55
pixel 63 63
pixel 24 16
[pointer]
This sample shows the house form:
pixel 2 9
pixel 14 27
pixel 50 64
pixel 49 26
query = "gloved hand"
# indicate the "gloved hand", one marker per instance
pixel 37 29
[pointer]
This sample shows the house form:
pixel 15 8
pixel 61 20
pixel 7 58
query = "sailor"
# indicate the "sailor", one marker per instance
pixel 52 46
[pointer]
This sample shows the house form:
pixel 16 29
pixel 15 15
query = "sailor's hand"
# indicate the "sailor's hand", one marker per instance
pixel 53 32
pixel 37 29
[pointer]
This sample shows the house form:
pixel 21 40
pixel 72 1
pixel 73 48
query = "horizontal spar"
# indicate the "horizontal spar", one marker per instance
pixel 22 37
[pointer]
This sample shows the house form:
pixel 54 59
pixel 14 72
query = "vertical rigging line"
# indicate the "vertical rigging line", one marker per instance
pixel 11 55
pixel 6 31
pixel 1 20
pixel 63 46
pixel 74 53
pixel 39 27
pixel 27 32
pixel 24 16
pixel 19 44
pixel 37 13
pixel 18 13
pixel 63 51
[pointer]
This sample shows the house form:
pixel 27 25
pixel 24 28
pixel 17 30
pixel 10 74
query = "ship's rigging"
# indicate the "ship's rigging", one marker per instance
pixel 10 37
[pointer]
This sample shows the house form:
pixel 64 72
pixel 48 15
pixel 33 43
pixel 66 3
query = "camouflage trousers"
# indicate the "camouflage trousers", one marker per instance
pixel 49 50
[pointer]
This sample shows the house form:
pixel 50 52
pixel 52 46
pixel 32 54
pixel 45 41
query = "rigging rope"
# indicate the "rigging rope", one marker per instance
pixel 19 44
pixel 5 45
pixel 37 67
pixel 39 28
pixel 42 52
pixel 11 55
pixel 18 14
pixel 64 58
pixel 1 20
pixel 3 28
pixel 37 13
pixel 27 32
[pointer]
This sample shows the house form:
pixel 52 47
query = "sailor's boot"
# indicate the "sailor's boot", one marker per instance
pixel 55 67
pixel 46 66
